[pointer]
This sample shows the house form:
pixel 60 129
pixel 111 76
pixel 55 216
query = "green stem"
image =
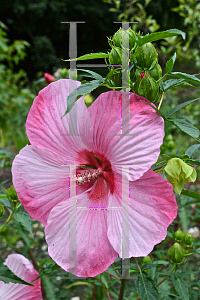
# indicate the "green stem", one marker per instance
pixel 115 270
pixel 161 100
pixel 162 77
pixel 7 221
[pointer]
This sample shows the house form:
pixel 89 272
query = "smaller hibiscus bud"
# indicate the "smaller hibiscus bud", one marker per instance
pixel 178 173
pixel 121 36
pixel 146 56
pixel 1 209
pixel 146 259
pixel 188 239
pixel 146 86
pixel 156 72
pixel 49 78
pixel 179 235
pixel 88 99
pixel 115 56
pixel 176 252
pixel 64 73
pixel 142 74
pixel 12 194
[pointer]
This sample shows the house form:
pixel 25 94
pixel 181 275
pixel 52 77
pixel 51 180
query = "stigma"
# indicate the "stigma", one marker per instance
pixel 87 176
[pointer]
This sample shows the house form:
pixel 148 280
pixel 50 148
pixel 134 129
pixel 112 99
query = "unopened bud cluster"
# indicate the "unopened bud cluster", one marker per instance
pixel 142 62
pixel 178 250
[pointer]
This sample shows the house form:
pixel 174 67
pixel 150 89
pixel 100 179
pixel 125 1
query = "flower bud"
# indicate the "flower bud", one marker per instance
pixel 121 36
pixel 188 239
pixel 146 86
pixel 49 78
pixel 64 73
pixel 12 194
pixel 156 72
pixel 176 252
pixel 1 209
pixel 146 259
pixel 115 56
pixel 179 235
pixel 146 56
pixel 88 99
pixel 178 173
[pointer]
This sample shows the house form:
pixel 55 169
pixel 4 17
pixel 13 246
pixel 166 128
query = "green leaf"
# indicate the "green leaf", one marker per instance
pixel 49 288
pixel 170 64
pixel 159 35
pixel 184 218
pixel 89 56
pixel 190 194
pixel 80 91
pixel 25 220
pixel 178 107
pixel 186 127
pixel 181 288
pixel 186 77
pixel 7 153
pixel 195 161
pixel 171 83
pixel 190 151
pixel 6 275
pixel 146 289
pixel 94 74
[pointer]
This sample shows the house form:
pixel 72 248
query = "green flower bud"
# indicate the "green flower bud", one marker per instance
pixel 146 259
pixel 115 56
pixel 178 173
pixel 171 145
pixel 176 252
pixel 188 239
pixel 169 137
pixel 88 99
pixel 1 209
pixel 179 235
pixel 64 73
pixel 146 87
pixel 12 194
pixel 146 56
pixel 121 37
pixel 156 72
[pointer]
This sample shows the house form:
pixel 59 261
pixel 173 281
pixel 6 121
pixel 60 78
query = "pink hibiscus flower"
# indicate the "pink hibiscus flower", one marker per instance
pixel 21 266
pixel 106 165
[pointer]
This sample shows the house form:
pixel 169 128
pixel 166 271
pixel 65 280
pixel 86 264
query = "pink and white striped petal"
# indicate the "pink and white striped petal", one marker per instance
pixel 138 148
pixel 47 128
pixel 21 266
pixel 145 216
pixel 41 179
pixel 88 251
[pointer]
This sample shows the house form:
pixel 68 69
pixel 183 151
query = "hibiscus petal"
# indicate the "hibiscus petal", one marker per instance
pixel 46 127
pixel 21 266
pixel 140 149
pixel 152 208
pixel 94 253
pixel 41 180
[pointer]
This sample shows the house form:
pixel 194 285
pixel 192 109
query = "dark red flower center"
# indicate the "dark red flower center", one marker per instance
pixel 95 169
